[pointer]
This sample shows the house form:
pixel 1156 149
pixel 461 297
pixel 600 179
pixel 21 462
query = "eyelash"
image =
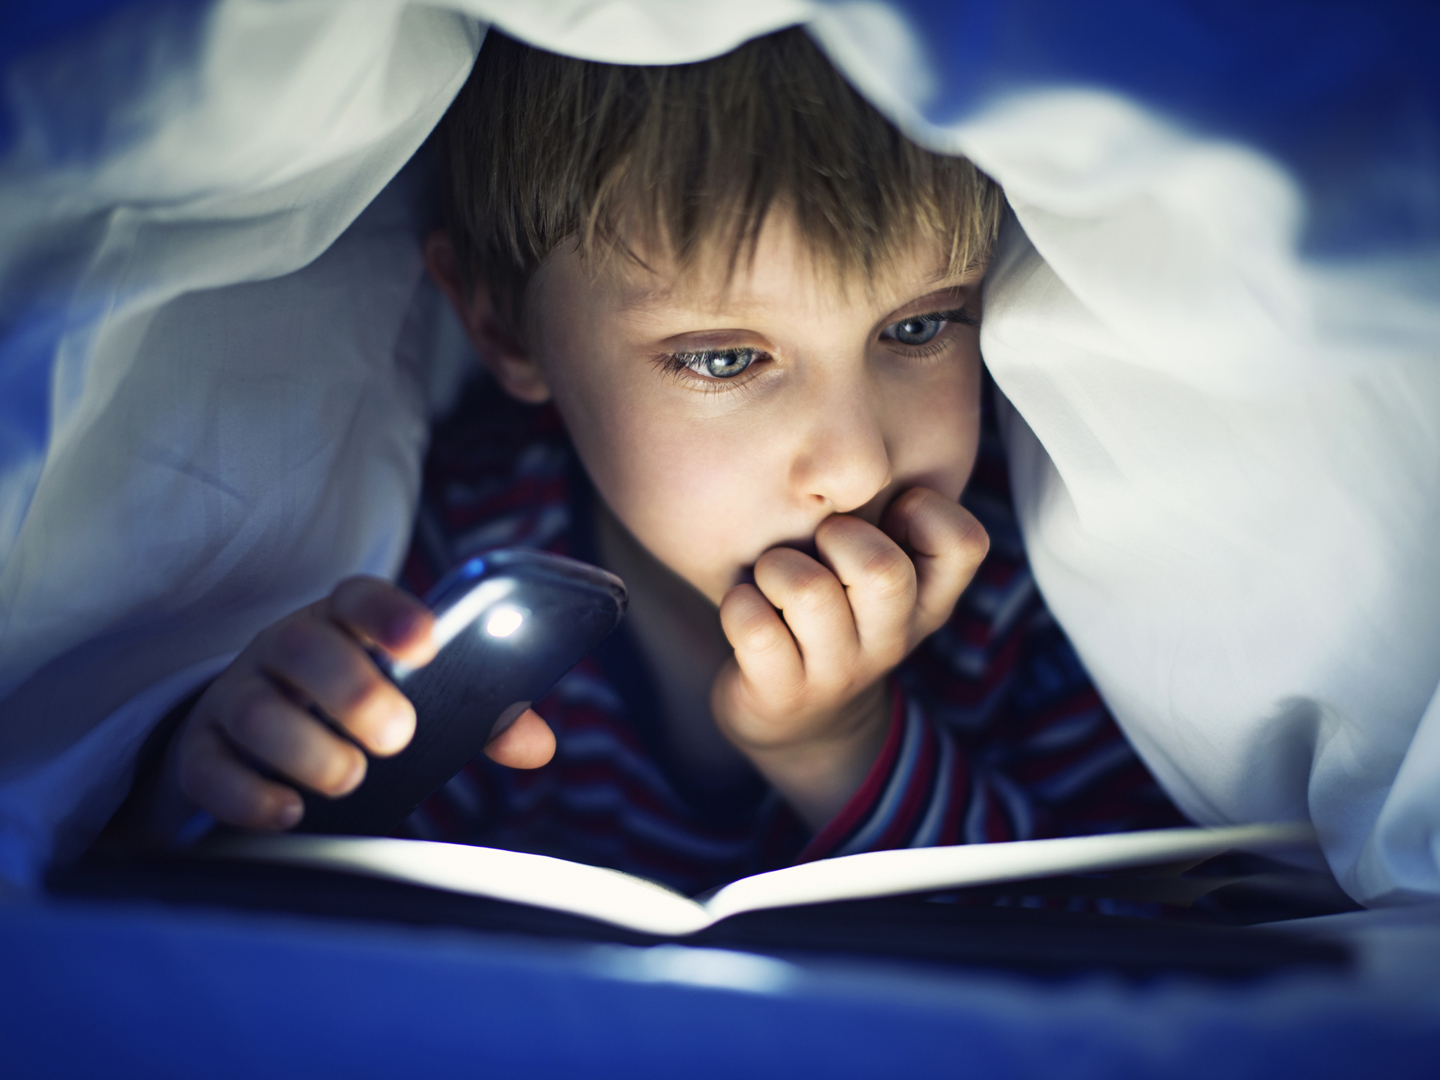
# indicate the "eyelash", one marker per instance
pixel 677 364
pixel 956 315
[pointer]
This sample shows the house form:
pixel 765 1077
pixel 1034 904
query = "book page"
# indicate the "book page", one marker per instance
pixel 907 870
pixel 648 907
pixel 516 876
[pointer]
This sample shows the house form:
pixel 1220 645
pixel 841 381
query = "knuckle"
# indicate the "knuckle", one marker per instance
pixel 360 695
pixel 252 717
pixel 759 633
pixel 917 499
pixel 296 642
pixel 812 588
pixel 889 574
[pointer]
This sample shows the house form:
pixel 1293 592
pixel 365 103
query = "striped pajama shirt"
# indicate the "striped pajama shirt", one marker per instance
pixel 996 732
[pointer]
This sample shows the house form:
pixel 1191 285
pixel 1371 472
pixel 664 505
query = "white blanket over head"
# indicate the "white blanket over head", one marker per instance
pixel 1226 458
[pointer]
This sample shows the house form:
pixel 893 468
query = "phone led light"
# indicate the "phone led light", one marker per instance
pixel 503 622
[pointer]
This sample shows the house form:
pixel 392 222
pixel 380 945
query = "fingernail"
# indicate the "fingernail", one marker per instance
pixel 290 812
pixel 394 735
pixel 355 775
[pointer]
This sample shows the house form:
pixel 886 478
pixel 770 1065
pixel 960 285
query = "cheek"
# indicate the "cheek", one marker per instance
pixel 938 432
pixel 687 490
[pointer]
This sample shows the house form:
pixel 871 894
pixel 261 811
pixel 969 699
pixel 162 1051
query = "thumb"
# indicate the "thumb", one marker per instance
pixel 527 743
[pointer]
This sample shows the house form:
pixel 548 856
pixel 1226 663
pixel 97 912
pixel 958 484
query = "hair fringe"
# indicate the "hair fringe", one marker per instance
pixel 540 149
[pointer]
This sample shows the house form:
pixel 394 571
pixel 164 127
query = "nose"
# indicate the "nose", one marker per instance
pixel 842 461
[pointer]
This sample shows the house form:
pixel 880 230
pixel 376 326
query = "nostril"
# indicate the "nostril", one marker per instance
pixel 846 461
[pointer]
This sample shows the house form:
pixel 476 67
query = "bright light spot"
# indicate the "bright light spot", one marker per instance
pixel 503 622
pixel 719 968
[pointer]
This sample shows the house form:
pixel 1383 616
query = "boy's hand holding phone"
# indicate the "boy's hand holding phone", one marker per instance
pixel 805 695
pixel 256 716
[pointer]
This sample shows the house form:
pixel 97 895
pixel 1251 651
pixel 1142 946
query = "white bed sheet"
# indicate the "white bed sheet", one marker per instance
pixel 1226 456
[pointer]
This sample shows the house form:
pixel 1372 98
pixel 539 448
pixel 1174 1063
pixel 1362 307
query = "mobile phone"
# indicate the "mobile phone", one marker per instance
pixel 509 623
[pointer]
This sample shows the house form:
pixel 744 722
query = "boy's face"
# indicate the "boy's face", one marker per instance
pixel 719 419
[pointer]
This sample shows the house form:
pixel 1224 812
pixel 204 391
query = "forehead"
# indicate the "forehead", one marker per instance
pixel 783 272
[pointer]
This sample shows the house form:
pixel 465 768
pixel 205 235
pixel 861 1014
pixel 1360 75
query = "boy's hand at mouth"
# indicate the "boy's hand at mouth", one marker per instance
pixel 805 695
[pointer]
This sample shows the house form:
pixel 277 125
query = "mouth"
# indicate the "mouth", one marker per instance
pixel 806 547
pixel 746 574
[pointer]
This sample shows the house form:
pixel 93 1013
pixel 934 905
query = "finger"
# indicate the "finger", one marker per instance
pixel 323 664
pixel 945 543
pixel 528 743
pixel 879 580
pixel 764 648
pixel 213 778
pixel 262 723
pixel 815 608
pixel 377 612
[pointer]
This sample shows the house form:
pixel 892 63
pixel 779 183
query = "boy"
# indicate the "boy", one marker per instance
pixel 754 305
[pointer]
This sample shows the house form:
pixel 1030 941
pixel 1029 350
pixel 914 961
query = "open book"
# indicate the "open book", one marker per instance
pixel 645 906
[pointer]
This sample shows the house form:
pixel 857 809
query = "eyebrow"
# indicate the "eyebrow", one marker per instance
pixel 928 300
pixel 942 277
pixel 633 296
pixel 636 292
pixel 638 297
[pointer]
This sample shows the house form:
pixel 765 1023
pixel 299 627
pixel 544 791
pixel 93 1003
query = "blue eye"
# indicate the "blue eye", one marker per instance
pixel 916 331
pixel 717 364
pixel 921 329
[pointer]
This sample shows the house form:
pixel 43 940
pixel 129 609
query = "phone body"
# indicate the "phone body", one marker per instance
pixel 509 623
